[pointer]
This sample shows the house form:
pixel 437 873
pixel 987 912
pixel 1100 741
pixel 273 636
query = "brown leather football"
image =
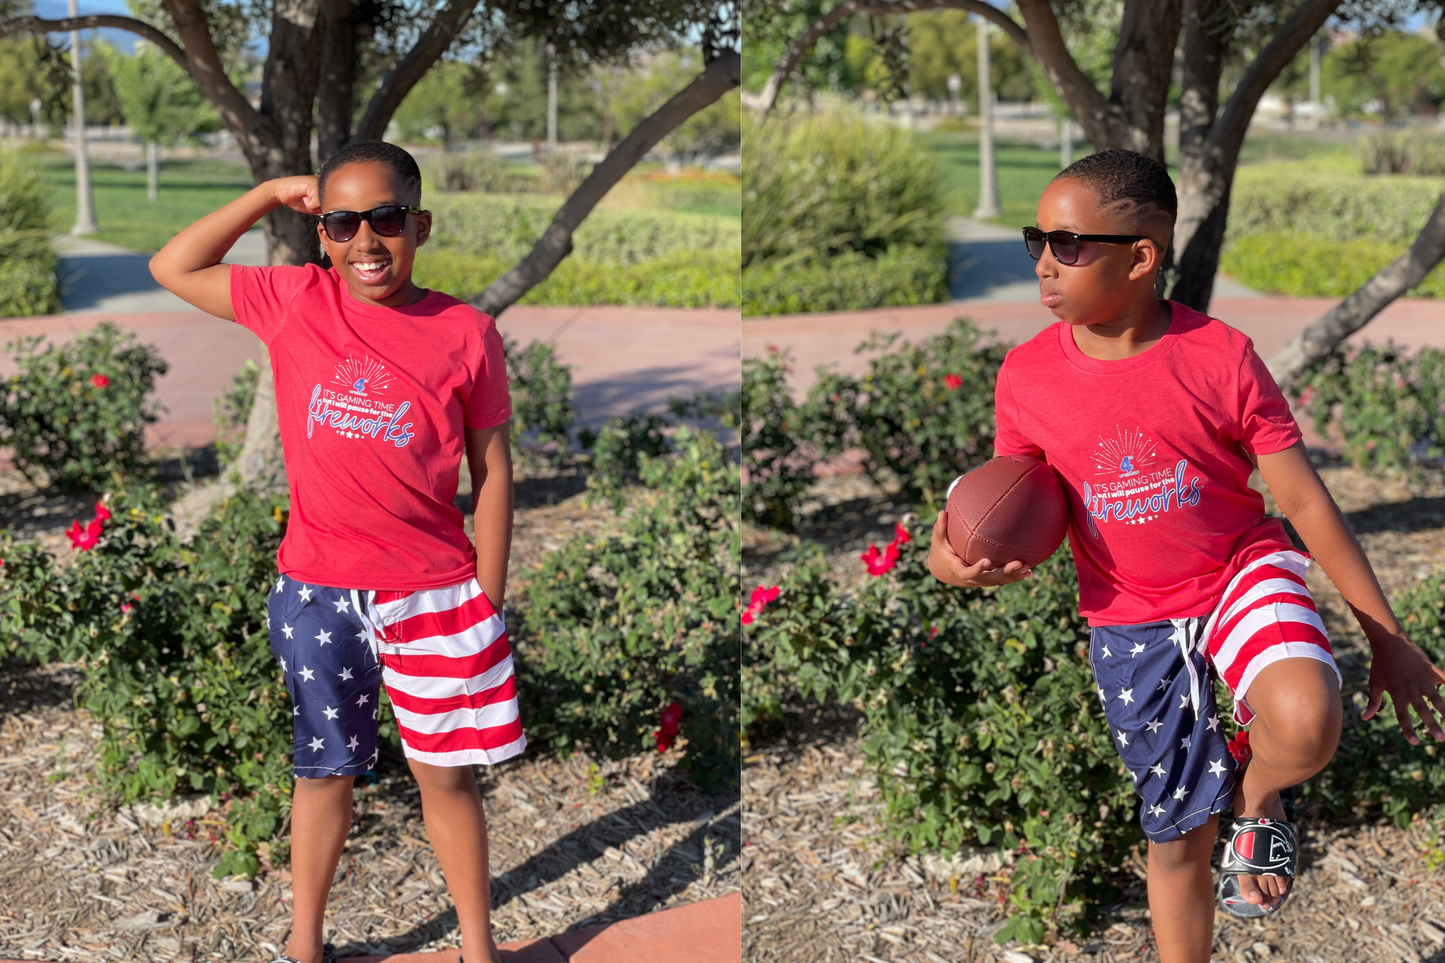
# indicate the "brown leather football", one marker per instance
pixel 1008 508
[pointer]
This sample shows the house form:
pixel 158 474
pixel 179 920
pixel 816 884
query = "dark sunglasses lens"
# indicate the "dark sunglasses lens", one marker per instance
pixel 1034 241
pixel 341 225
pixel 388 221
pixel 1066 247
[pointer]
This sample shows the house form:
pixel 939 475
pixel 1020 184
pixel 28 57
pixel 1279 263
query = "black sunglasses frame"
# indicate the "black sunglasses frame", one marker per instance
pixel 1033 235
pixel 367 217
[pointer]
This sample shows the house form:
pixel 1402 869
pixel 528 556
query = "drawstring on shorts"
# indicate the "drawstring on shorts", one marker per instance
pixel 1188 642
pixel 368 623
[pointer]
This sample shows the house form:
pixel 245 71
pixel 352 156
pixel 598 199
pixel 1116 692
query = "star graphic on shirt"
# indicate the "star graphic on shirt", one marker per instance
pixel 1153 725
pixel 305 593
pixel 283 665
pixel 344 674
pixel 1164 684
pixel 307 674
pixel 361 700
pixel 1216 768
pixel 1213 723
pixel 1180 793
pixel 1123 739
pixel 280 584
pixel 323 636
pixel 1106 653
pixel 330 713
pixel 353 743
pixel 1126 696
pixel 1186 743
pixel 287 629
pixel 1156 810
pixel 317 744
pixel 1138 647
pixel 1158 770
pixel 341 605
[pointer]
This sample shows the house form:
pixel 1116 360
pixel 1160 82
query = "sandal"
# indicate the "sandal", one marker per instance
pixel 328 955
pixel 1256 847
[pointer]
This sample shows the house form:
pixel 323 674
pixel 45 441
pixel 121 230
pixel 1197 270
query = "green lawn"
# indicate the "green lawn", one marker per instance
pixel 188 191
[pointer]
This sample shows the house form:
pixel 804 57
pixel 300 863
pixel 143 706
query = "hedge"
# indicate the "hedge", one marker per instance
pixel 1330 206
pixel 846 282
pixel 28 282
pixel 1301 265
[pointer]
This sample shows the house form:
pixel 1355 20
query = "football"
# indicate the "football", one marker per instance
pixel 1008 508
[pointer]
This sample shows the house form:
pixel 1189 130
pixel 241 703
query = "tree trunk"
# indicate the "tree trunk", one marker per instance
pixel 1199 232
pixel 1355 311
pixel 1143 65
pixel 336 96
pixel 153 170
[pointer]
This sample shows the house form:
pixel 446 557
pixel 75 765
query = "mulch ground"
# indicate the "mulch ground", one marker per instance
pixel 574 842
pixel 825 881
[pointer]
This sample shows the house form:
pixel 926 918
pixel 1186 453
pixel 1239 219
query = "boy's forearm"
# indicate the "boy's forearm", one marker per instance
pixel 492 530
pixel 205 242
pixel 1329 540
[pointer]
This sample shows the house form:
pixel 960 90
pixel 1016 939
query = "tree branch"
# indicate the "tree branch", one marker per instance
pixel 154 35
pixel 721 75
pixel 794 54
pixel 438 38
pixel 1103 121
pixel 1355 311
pixel 204 65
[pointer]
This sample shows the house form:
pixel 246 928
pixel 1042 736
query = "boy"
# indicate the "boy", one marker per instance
pixel 380 387
pixel 1154 416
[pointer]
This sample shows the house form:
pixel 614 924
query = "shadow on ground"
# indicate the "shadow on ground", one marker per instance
pixel 976 267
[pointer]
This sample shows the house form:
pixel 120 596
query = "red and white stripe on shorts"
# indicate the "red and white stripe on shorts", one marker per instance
pixel 447 666
pixel 1266 614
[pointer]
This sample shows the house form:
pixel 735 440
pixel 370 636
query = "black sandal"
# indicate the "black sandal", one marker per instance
pixel 328 955
pixel 1256 847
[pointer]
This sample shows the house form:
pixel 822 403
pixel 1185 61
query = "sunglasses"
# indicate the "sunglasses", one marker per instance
pixel 389 220
pixel 1065 244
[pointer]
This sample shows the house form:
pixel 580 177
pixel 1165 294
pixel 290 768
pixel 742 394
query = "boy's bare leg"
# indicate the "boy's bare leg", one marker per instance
pixel 320 820
pixel 1295 731
pixel 1181 895
pixel 451 807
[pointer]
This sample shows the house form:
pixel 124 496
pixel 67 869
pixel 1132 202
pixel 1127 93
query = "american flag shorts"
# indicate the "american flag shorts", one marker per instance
pixel 1154 682
pixel 442 653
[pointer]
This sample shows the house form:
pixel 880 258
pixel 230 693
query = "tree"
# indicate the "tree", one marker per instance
pixel 638 92
pixel 340 40
pixel 1225 53
pixel 161 103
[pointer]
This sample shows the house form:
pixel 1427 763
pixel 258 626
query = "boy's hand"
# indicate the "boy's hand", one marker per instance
pixel 1400 668
pixel 949 569
pixel 301 193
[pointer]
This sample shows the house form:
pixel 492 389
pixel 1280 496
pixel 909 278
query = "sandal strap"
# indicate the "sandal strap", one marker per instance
pixel 1261 847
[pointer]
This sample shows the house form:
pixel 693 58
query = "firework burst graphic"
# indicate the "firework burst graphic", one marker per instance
pixel 361 377
pixel 1127 454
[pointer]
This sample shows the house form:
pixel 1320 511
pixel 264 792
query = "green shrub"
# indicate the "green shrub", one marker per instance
pixel 232 409
pixel 817 186
pixel 923 414
pixel 979 717
pixel 1385 407
pixel 478 171
pixel 1330 206
pixel 777 460
pixel 77 412
pixel 613 629
pixel 541 390
pixel 846 282
pixel 176 662
pixel 689 279
pixel 1301 265
pixel 28 282
pixel 1395 152
pixel 621 449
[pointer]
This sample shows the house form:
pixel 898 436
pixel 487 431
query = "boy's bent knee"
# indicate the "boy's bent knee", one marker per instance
pixel 1298 700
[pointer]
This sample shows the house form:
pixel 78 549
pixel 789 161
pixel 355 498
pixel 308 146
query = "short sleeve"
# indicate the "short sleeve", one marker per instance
pixel 489 404
pixel 262 296
pixel 1009 439
pixel 1266 425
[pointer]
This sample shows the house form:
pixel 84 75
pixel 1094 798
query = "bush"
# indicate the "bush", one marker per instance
pixel 232 409
pixel 77 412
pixel 1330 206
pixel 478 171
pixel 979 716
pixel 541 391
pixel 923 414
pixel 176 662
pixel 1283 262
pixel 614 629
pixel 777 465
pixel 1385 407
pixel 846 282
pixel 28 282
pixel 696 279
pixel 1395 152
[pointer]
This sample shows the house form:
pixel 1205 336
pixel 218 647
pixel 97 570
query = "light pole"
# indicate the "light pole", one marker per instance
pixel 987 183
pixel 551 100
pixel 955 84
pixel 84 203
pixel 1066 141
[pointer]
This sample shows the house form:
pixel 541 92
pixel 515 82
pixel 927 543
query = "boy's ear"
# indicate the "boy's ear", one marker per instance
pixel 1148 260
pixel 423 227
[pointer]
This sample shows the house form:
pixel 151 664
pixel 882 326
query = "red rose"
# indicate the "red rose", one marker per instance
pixel 99 380
pixel 761 596
pixel 952 382
pixel 1239 747
pixel 83 539
pixel 102 514
pixel 880 562
pixel 900 535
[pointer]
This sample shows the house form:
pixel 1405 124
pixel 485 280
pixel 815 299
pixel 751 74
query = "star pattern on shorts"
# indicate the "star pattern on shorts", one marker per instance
pixel 1164 684
pixel 1126 696
pixel 288 630
pixel 1153 725
pixel 1158 770
pixel 317 744
pixel 323 636
pixel 1213 723
pixel 305 593
pixel 353 743
pixel 1156 810
pixel 1216 767
pixel 1105 653
pixel 1186 743
pixel 345 673
pixel 1138 647
pixel 296 710
pixel 1180 793
pixel 308 674
pixel 362 699
pixel 283 665
pixel 1123 739
pixel 341 605
pixel 280 583
pixel 330 713
pixel 1183 700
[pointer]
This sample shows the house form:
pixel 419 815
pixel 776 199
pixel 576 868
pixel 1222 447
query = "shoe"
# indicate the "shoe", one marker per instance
pixel 328 955
pixel 1256 847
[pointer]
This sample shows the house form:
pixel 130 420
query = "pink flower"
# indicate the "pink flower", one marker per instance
pixel 125 608
pixel 83 539
pixel 99 380
pixel 952 382
pixel 761 596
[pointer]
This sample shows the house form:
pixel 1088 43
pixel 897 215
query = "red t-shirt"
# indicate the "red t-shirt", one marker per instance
pixel 1153 452
pixel 372 403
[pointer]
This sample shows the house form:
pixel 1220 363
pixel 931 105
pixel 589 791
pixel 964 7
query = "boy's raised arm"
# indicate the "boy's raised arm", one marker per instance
pixel 190 267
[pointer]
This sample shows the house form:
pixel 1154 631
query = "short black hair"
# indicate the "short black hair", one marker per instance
pixel 1138 184
pixel 377 152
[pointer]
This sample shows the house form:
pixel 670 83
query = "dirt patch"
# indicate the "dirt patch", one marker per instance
pixel 826 882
